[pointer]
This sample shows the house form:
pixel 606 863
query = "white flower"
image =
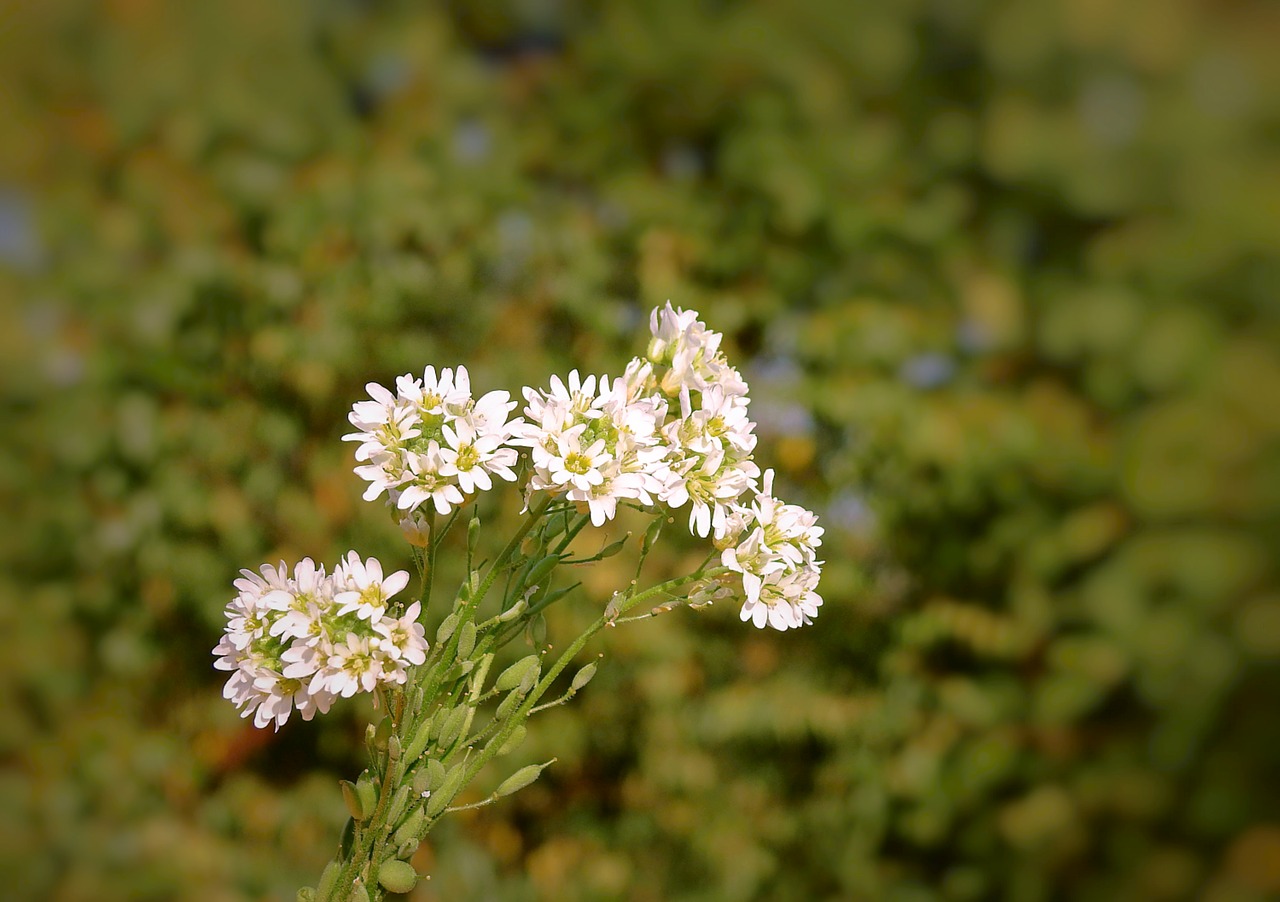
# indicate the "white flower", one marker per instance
pixel 774 547
pixel 595 441
pixel 297 642
pixel 405 635
pixel 360 588
pixel 430 441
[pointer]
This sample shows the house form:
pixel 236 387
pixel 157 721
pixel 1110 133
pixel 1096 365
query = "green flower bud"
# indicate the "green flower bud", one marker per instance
pixel 306 894
pixel 435 774
pixel 359 892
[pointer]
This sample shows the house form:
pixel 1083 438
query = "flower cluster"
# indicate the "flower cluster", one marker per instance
pixel 774 547
pixel 302 641
pixel 431 441
pixel 596 442
pixel 674 429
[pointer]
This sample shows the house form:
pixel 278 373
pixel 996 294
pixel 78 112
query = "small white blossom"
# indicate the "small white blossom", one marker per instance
pixel 775 551
pixel 298 642
pixel 430 442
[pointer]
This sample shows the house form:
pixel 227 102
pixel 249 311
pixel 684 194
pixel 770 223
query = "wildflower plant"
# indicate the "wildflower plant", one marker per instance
pixel 671 433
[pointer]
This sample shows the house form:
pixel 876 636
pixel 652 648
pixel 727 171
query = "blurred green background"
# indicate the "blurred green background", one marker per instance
pixel 1002 277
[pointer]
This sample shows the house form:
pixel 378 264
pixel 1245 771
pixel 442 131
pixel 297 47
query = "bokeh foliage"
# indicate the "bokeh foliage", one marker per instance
pixel 1003 279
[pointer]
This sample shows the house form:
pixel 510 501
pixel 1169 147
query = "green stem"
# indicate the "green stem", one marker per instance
pixel 522 713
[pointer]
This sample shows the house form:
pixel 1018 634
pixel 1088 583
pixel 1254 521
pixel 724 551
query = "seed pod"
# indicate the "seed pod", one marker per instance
pixel 381 734
pixel 435 775
pixel 409 829
pixel 513 612
pixel 582 677
pixel 367 793
pixel 473 536
pixel 352 800
pixel 651 534
pixel 406 849
pixel 399 802
pixel 359 892
pixel 520 779
pixel 513 676
pixel 446 629
pixel 513 741
pixel 441 797
pixel 452 727
pixel 397 876
pixel 328 880
pixel 541 569
pixel 393 748
pixel 348 838
pixel 508 705
pixel 422 736
pixel 536 631
pixel 466 639
pixel 613 548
